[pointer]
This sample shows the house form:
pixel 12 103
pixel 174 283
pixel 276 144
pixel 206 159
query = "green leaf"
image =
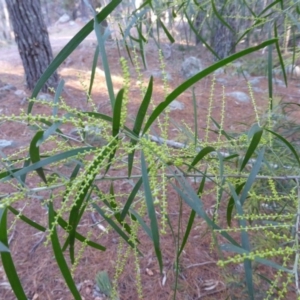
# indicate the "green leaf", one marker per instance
pixel 287 143
pixel 168 34
pixel 70 47
pixel 191 218
pixel 279 54
pixel 230 205
pixel 252 176
pixel 252 147
pixel 142 223
pixel 114 226
pixel 56 97
pixel 139 122
pixel 195 117
pixel 105 118
pixel 117 113
pixel 270 74
pixel 245 242
pixel 125 43
pixel 151 213
pixel 200 37
pixel 78 236
pixel 34 152
pixel 62 264
pixel 75 216
pixel 105 64
pixel 268 7
pixel 27 220
pixel 223 132
pixel 93 72
pixel 84 187
pixel 187 193
pixel 7 261
pixel 141 45
pixel 46 161
pixel 200 155
pixel 219 16
pixel 191 81
pixel 131 198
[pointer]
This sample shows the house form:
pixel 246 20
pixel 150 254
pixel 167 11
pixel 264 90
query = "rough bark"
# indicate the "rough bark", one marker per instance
pixel 32 38
pixel 223 39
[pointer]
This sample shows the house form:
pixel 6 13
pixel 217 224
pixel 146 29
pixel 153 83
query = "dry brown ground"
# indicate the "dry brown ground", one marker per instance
pixel 37 269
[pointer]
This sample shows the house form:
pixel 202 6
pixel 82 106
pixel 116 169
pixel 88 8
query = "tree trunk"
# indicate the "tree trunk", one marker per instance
pixel 32 38
pixel 223 39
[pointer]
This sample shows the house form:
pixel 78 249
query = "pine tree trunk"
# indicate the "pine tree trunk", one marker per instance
pixel 223 39
pixel 32 38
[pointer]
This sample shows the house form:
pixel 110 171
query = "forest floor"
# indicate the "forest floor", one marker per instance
pixel 200 278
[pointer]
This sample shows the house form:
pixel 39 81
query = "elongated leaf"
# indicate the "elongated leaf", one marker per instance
pixel 279 55
pixel 245 242
pixel 34 152
pixel 26 164
pixel 114 226
pixel 112 205
pixel 49 131
pixel 187 193
pixel 151 212
pixel 287 143
pixel 188 83
pixel 195 117
pixel 141 44
pixel 133 21
pixel 93 71
pixel 139 122
pixel 78 236
pixel 7 261
pixel 125 43
pixel 62 264
pixel 252 176
pixel 191 218
pixel 252 147
pixel 56 97
pixel 219 16
pixel 230 205
pixel 47 161
pixel 142 223
pixel 268 7
pixel 75 217
pixel 270 75
pixel 27 220
pixel 200 37
pixel 117 113
pixel 145 3
pixel 223 132
pixel 106 118
pixel 100 40
pixel 131 198
pixel 3 248
pixel 203 152
pixel 84 187
pixel 168 34
pixel 70 47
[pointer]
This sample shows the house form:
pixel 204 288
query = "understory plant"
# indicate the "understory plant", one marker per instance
pixel 253 176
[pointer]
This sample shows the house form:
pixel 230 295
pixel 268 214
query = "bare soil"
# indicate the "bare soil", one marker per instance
pixel 35 263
